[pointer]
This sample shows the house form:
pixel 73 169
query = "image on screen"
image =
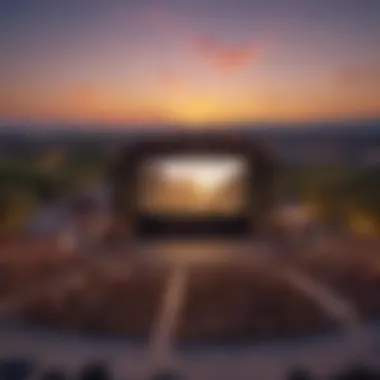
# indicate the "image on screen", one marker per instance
pixel 193 186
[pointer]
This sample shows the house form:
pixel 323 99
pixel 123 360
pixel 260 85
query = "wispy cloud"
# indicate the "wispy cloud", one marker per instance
pixel 157 16
pixel 172 81
pixel 84 95
pixel 227 57
pixel 222 55
pixel 361 74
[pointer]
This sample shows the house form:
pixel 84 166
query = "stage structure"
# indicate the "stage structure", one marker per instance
pixel 153 198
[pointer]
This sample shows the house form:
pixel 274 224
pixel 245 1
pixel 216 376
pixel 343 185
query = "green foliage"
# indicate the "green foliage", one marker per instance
pixel 29 182
pixel 15 210
pixel 340 194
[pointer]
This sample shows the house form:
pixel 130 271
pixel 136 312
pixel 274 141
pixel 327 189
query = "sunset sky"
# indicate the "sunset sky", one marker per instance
pixel 188 61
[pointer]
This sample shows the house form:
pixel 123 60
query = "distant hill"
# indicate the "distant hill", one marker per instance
pixel 331 128
pixel 350 142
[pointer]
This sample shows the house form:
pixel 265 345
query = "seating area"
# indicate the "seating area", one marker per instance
pixel 226 302
pixel 25 369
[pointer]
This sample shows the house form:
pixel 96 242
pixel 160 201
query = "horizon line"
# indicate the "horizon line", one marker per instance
pixel 184 126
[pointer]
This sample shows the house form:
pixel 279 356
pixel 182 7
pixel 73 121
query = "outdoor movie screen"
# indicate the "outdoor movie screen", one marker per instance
pixel 193 186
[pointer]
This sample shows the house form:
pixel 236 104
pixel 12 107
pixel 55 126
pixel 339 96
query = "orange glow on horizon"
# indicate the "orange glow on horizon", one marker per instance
pixel 184 103
pixel 192 63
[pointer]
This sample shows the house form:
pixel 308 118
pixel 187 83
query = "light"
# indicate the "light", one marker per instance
pixel 194 184
pixel 208 175
pixel 362 224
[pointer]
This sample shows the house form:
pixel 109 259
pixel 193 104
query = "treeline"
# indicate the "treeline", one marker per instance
pixel 30 181
pixel 347 196
pixel 341 196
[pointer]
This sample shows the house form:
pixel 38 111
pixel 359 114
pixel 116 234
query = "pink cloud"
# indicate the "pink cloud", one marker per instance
pixel 85 95
pixel 359 74
pixel 223 56
pixel 172 80
pixel 226 57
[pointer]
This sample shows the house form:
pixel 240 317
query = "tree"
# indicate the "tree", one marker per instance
pixel 15 210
